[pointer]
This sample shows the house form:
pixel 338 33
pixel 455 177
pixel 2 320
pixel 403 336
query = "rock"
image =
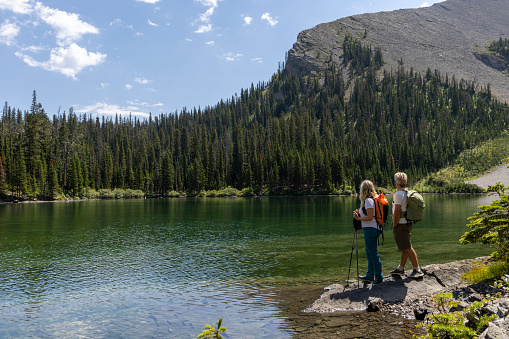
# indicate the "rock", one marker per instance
pixel 474 297
pixel 496 330
pixel 503 308
pixel 489 309
pixel 374 304
pixel 420 313
pixel 402 296
pixel 473 318
pixel 461 305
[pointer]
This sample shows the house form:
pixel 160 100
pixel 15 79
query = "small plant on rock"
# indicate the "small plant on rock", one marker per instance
pixel 465 324
pixel 442 324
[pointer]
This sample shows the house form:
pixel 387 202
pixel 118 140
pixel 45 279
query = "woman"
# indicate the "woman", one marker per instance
pixel 366 214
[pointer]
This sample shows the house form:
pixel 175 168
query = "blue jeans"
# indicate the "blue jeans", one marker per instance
pixel 374 264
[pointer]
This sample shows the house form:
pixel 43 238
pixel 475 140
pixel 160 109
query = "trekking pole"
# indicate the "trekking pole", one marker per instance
pixel 351 255
pixel 357 256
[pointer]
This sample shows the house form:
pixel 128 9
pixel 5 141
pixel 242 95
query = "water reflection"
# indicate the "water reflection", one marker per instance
pixel 166 267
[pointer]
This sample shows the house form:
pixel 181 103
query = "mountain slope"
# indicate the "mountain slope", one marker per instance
pixel 450 36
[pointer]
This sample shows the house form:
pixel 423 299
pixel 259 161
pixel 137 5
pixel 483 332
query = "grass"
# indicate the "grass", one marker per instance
pixel 491 271
pixel 469 165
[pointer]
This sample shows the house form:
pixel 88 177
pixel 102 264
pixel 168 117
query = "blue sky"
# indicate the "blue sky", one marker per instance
pixel 140 56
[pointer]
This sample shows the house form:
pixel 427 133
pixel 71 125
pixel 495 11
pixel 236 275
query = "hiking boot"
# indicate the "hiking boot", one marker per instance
pixel 377 281
pixel 416 273
pixel 396 271
pixel 366 278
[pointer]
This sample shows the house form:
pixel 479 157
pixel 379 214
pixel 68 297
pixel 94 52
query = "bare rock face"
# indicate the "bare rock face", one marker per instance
pixel 450 36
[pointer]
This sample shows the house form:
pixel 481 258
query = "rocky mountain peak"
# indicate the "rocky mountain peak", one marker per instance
pixel 451 36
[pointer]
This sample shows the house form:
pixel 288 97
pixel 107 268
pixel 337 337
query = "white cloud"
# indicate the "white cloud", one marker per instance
pixel 204 28
pixel 266 16
pixel 248 20
pixel 68 61
pixel 142 81
pixel 152 23
pixel 105 85
pixel 149 1
pixel 232 56
pixel 33 49
pixel 103 108
pixel 69 27
pixel 17 6
pixel 428 4
pixel 210 43
pixel 189 40
pixel 259 60
pixel 206 25
pixel 128 86
pixel 68 58
pixel 8 32
pixel 119 22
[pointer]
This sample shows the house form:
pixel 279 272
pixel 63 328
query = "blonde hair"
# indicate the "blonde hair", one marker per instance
pixel 400 178
pixel 367 190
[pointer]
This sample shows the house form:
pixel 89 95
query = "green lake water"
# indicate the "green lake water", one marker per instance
pixel 164 268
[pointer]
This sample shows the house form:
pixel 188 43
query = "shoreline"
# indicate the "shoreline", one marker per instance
pixel 399 294
pixel 3 202
pixel 388 310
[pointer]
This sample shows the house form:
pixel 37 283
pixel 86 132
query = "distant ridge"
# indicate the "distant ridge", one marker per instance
pixel 450 36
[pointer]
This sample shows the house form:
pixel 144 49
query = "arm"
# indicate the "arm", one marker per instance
pixel 396 215
pixel 370 213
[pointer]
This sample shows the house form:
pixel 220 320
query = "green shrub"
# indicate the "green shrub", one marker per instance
pixel 248 192
pixel 211 333
pixel 229 192
pixel 89 193
pixel 465 324
pixel 491 224
pixel 173 194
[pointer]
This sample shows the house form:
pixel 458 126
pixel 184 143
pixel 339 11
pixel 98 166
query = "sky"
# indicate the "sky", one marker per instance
pixel 109 57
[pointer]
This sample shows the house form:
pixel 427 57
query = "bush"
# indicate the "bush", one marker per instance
pixel 229 192
pixel 491 225
pixel 173 194
pixel 89 193
pixel 248 192
pixel 465 324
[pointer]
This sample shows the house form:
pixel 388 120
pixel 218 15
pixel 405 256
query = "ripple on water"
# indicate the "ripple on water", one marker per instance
pixel 180 311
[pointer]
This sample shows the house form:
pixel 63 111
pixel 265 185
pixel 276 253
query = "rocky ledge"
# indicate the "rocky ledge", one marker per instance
pixel 411 298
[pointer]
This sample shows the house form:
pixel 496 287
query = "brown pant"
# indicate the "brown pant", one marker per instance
pixel 402 234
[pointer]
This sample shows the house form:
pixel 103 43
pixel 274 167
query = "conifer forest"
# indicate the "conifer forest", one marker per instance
pixel 294 133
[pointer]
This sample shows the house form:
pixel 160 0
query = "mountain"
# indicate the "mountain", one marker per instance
pixel 450 36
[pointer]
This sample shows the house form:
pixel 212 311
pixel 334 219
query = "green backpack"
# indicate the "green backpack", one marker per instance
pixel 415 206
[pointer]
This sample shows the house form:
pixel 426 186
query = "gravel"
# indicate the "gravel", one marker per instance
pixel 500 174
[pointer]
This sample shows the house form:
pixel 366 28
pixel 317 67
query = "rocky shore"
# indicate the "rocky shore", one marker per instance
pixel 411 298
pixel 500 174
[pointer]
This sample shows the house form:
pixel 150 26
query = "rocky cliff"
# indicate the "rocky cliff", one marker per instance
pixel 451 36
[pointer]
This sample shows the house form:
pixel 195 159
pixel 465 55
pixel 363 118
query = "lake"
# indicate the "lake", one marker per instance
pixel 166 267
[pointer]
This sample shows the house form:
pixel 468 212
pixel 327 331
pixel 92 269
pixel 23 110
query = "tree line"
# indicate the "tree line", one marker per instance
pixel 292 134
